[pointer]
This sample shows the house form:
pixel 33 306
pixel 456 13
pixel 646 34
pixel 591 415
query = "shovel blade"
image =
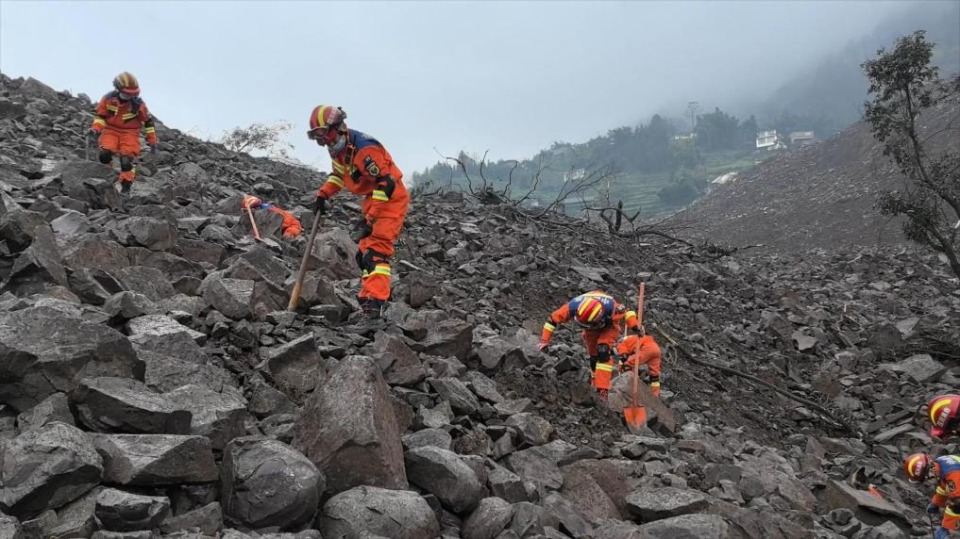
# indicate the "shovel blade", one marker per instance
pixel 636 417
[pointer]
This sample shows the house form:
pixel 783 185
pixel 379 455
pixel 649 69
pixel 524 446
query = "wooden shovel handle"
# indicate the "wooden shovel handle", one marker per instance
pixel 295 293
pixel 636 361
pixel 253 224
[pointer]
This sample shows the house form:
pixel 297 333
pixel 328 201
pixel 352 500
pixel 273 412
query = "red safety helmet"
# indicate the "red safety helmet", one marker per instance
pixel 590 313
pixel 944 412
pixel 917 466
pixel 127 84
pixel 325 123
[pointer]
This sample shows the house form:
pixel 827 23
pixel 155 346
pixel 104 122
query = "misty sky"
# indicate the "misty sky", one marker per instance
pixel 427 77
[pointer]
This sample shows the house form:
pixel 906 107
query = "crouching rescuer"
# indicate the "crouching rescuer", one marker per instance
pixel 290 226
pixel 643 349
pixel 120 116
pixel 600 316
pixel 364 167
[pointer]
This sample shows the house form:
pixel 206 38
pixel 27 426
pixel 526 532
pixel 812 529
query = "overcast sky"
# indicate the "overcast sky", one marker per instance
pixel 427 77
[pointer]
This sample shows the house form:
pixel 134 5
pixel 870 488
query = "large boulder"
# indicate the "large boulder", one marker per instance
pixel 490 518
pixel 349 430
pixel 377 512
pixel 45 468
pixel 155 459
pixel 445 475
pixel 122 405
pixel 266 483
pixel 150 282
pixel 456 393
pixel 399 363
pixel 44 351
pixel 232 297
pixel 39 266
pixel 56 407
pixel 154 234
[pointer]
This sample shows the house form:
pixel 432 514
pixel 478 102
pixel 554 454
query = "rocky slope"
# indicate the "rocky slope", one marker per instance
pixel 816 196
pixel 152 385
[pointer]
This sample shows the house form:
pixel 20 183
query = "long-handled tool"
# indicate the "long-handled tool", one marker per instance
pixel 636 415
pixel 295 294
pixel 253 224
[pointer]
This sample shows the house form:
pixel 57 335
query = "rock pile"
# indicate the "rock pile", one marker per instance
pixel 152 384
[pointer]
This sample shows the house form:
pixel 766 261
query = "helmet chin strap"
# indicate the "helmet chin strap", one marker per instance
pixel 339 145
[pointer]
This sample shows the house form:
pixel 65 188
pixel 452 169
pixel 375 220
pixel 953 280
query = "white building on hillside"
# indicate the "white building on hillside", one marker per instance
pixel 802 137
pixel 769 140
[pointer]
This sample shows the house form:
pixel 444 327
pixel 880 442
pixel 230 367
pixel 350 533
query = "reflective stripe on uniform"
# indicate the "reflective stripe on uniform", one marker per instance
pixel 379 196
pixel 604 367
pixel 150 130
pixel 338 168
pixel 335 181
pixel 128 117
pixel 382 269
pixel 549 327
pixel 941 491
pixel 99 121
pixel 654 384
pixel 631 315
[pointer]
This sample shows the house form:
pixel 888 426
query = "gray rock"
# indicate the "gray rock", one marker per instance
pixel 122 405
pixel 45 468
pixel 128 305
pixel 483 387
pixel 498 354
pixel 56 407
pixel 428 438
pixel 154 234
pixel 207 520
pixel 530 519
pixel 220 417
pixel 567 514
pixel 166 373
pixel 443 474
pixel 71 223
pixel 39 266
pixel 155 459
pixel 10 527
pixel 232 297
pixel 297 366
pixel 121 511
pixel 509 407
pixel 349 430
pixel 76 518
pixel 150 282
pixel 266 483
pixel 157 326
pixel 617 529
pixel 649 504
pixel 506 485
pixel 534 430
pixel 334 253
pixel 590 499
pixel 397 514
pixel 887 530
pixel 866 508
pixel 456 393
pixel 491 517
pixel 687 527
pixel 920 368
pixel 438 334
pixel 44 351
pixel 400 364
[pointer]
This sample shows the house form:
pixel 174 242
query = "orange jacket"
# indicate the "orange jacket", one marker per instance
pixel 947 494
pixel 366 169
pixel 118 114
pixel 649 352
pixel 614 314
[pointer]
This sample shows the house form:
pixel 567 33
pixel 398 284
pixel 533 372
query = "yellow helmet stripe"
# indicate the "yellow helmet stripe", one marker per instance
pixel 320 111
pixel 912 462
pixel 935 409
pixel 595 313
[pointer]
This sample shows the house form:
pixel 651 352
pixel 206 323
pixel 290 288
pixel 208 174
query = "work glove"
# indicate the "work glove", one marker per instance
pixel 319 205
pixel 941 533
pixel 95 132
pixel 542 346
pixel 932 508
pixel 361 229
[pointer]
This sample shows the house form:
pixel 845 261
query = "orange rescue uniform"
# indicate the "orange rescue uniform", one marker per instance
pixel 600 340
pixel 648 354
pixel 365 168
pixel 119 123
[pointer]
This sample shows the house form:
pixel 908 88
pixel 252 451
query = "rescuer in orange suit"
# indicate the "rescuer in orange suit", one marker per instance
pixel 290 226
pixel 648 354
pixel 364 167
pixel 600 316
pixel 120 116
pixel 946 471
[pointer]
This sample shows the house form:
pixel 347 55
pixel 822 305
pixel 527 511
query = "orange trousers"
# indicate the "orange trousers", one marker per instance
pixel 125 142
pixel 374 257
pixel 592 338
pixel 648 354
